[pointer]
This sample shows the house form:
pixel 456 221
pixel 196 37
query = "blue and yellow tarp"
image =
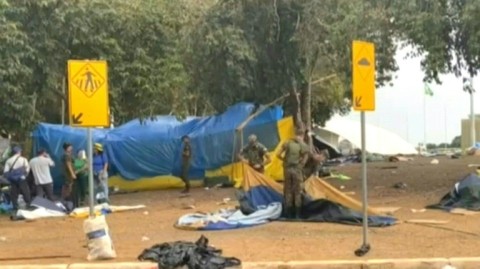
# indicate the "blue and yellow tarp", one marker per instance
pixel 261 201
pixel 146 156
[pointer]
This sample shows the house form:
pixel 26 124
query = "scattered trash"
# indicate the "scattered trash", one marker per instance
pixel 339 176
pixel 349 193
pixel 400 185
pixel 342 187
pixel 434 161
pixel 145 213
pixel 207 188
pixel 192 255
pixel 225 201
pixel 455 156
pixel 448 266
pixel 144 238
pixel 3 238
pixel 100 246
pixel 418 210
pixel 427 221
pixel 464 212
pixel 399 159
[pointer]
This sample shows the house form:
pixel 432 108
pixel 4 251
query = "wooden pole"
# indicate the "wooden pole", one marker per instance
pixel 260 111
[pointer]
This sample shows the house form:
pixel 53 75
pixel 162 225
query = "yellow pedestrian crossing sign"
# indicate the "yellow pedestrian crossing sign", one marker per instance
pixel 88 80
pixel 88 93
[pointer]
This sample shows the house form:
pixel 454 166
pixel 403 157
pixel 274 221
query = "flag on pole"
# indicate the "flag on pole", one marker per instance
pixel 428 90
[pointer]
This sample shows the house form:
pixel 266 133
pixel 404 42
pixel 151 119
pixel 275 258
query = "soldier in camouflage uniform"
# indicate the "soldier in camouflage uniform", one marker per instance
pixel 294 154
pixel 255 154
pixel 186 158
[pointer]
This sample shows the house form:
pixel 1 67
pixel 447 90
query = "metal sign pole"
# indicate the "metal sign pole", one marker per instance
pixel 365 246
pixel 91 193
pixel 363 89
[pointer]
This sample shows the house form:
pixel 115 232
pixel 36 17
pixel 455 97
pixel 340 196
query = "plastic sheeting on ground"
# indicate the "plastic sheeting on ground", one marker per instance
pixel 39 213
pixel 148 156
pixel 83 212
pixel 464 194
pixel 322 203
pixel 229 218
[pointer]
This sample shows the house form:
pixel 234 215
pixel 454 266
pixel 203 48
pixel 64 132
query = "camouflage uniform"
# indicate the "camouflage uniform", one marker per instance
pixel 186 158
pixel 255 154
pixel 293 177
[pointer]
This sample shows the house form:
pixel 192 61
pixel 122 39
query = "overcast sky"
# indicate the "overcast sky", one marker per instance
pixel 400 108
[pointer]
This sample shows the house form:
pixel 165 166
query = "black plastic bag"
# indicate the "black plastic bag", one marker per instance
pixel 198 255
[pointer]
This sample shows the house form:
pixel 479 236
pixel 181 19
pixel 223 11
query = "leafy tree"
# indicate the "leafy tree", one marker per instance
pixel 259 50
pixel 456 142
pixel 443 31
pixel 139 40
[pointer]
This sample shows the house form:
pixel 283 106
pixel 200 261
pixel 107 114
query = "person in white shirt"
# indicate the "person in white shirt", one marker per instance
pixel 19 185
pixel 40 166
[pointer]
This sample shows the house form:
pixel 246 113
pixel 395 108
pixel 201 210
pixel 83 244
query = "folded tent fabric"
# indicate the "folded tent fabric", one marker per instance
pixel 227 219
pixel 464 194
pixel 259 194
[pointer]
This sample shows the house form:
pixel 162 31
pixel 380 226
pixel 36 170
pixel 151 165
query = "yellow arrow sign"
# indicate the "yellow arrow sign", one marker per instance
pixel 363 61
pixel 88 93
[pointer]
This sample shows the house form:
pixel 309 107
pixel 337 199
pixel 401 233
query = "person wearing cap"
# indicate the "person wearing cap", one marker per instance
pixel 100 172
pixel 186 159
pixel 16 170
pixel 294 154
pixel 255 154
pixel 68 172
pixel 40 166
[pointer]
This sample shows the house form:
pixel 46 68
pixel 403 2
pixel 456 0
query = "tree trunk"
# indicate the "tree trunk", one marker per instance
pixel 297 107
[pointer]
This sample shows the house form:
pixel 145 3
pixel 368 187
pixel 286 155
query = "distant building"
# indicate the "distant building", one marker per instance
pixel 467 134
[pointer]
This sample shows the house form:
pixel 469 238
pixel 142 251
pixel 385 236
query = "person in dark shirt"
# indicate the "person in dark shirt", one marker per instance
pixel 68 172
pixel 186 159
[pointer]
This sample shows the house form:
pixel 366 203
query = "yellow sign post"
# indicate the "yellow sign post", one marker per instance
pixel 88 93
pixel 88 104
pixel 363 60
pixel 363 67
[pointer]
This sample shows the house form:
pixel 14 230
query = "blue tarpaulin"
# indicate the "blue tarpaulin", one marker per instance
pixel 153 148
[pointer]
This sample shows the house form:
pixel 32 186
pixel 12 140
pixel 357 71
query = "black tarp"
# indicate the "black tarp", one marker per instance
pixel 464 194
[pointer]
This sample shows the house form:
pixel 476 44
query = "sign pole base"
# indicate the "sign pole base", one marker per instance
pixel 91 192
pixel 365 248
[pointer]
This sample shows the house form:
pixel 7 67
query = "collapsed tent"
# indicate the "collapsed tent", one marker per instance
pixel 147 155
pixel 261 200
pixel 345 135
pixel 465 194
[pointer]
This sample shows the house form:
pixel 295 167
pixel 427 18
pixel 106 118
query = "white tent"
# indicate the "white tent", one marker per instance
pixel 346 136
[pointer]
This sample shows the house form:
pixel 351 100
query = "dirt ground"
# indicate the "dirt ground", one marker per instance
pixel 426 184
